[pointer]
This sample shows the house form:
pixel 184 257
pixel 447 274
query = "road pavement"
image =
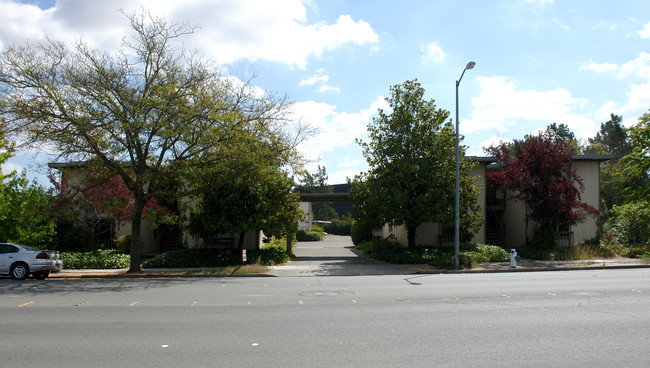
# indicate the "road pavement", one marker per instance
pixel 586 318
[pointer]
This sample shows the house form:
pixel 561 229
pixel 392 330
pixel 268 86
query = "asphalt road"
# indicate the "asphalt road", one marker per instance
pixel 595 318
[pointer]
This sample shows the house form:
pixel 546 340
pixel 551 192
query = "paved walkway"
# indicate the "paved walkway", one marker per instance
pixel 336 256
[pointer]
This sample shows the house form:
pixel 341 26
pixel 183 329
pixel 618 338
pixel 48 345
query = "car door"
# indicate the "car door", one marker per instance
pixel 7 254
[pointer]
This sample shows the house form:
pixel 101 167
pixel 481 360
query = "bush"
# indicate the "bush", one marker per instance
pixel 302 235
pixel 629 224
pixel 123 244
pixel 207 258
pixel 98 259
pixel 339 227
pixel 442 258
pixel 470 256
pixel 317 229
pixel 473 255
pixel 365 247
pixel 360 232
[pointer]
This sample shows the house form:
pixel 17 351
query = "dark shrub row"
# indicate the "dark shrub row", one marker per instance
pixel 204 258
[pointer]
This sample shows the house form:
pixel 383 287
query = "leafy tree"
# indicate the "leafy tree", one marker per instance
pixel 410 153
pixel 559 133
pixel 151 113
pixel 317 183
pixel 257 198
pixel 538 171
pixel 637 163
pixel 93 200
pixel 612 139
pixel 24 216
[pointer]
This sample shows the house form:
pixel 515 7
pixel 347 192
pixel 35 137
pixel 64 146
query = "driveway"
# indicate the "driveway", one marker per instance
pixel 336 256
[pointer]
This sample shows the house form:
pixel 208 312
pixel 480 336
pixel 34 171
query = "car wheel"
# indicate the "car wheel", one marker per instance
pixel 19 271
pixel 40 275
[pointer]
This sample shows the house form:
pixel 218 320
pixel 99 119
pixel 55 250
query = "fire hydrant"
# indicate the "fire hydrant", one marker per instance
pixel 513 258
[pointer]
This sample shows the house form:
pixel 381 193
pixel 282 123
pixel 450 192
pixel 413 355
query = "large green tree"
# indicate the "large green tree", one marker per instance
pixel 24 205
pixel 611 139
pixel 637 163
pixel 410 153
pixel 150 113
pixel 246 196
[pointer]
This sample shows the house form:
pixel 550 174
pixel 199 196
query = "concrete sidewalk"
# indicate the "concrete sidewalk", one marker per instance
pixel 336 256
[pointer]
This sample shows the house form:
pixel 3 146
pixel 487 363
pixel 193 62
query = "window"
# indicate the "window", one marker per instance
pixel 7 248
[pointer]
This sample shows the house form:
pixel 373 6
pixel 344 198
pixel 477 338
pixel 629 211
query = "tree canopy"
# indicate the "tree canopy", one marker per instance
pixel 24 216
pixel 150 113
pixel 410 153
pixel 637 162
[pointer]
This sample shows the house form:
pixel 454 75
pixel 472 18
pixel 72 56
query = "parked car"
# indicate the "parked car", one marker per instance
pixel 19 261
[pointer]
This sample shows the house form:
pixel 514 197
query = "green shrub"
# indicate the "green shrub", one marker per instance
pixel 365 247
pixel 629 224
pixel 302 235
pixel 470 256
pixel 360 232
pixel 339 227
pixel 206 258
pixel 280 243
pixel 123 244
pixel 317 229
pixel 98 259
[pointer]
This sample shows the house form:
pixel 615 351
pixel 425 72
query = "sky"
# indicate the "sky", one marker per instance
pixel 537 61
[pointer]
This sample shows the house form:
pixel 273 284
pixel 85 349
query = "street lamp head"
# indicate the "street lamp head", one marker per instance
pixel 470 65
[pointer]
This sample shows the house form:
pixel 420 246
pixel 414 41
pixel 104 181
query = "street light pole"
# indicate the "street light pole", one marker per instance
pixel 469 65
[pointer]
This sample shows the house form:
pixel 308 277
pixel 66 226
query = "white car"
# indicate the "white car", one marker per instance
pixel 19 261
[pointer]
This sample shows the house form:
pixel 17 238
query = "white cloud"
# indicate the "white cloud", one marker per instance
pixel 433 52
pixel 637 67
pixel 8 167
pixel 321 79
pixel 599 67
pixel 639 97
pixel 335 129
pixel 230 30
pixel 638 93
pixel 640 67
pixel 501 105
pixel 341 176
pixel 492 141
pixel 645 32
pixel 350 162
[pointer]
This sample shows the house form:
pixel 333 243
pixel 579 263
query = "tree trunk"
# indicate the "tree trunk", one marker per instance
pixel 241 240
pixel 136 225
pixel 290 244
pixel 410 234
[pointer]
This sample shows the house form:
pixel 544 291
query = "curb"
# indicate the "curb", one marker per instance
pixel 182 272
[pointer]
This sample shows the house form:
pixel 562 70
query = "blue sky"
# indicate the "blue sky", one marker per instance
pixel 537 61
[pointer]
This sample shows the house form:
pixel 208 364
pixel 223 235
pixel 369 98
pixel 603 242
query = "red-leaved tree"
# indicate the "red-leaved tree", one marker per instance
pixel 96 199
pixel 539 172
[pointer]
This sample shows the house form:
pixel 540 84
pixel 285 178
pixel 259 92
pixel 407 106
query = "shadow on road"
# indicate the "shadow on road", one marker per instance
pixel 29 287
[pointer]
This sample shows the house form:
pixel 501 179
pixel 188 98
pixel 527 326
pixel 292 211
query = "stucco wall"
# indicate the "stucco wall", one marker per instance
pixel 514 216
